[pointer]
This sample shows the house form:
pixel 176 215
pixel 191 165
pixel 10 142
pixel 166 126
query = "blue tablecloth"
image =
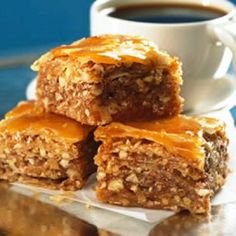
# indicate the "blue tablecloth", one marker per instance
pixel 26 26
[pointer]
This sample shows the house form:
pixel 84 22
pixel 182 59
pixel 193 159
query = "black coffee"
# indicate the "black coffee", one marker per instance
pixel 166 13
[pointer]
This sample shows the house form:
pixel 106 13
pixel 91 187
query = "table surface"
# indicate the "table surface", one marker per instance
pixel 22 215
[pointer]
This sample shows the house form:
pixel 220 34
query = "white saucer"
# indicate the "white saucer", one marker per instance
pixel 222 94
pixel 215 95
pixel 30 90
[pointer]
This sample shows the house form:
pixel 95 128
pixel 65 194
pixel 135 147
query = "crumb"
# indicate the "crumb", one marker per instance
pixel 36 195
pixel 88 205
pixel 58 199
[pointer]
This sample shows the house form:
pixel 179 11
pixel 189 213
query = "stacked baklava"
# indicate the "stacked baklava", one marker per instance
pixel 129 91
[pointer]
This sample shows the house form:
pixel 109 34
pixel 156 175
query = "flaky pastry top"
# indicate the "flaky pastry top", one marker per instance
pixel 182 136
pixel 108 49
pixel 30 117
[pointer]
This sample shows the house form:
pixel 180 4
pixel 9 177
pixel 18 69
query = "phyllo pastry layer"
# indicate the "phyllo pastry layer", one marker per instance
pixel 178 163
pixel 108 78
pixel 45 149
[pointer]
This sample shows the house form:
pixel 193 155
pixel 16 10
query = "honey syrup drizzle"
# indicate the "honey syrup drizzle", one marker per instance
pixel 180 135
pixel 110 49
pixel 28 116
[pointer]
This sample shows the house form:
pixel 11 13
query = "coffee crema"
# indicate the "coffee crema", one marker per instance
pixel 166 13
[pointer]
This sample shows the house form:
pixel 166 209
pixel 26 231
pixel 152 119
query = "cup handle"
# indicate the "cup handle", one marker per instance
pixel 226 34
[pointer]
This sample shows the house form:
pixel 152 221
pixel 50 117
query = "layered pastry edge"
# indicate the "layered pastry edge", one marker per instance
pixel 45 149
pixel 109 78
pixel 175 164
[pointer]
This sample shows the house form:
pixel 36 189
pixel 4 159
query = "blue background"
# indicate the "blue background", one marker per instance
pixel 30 25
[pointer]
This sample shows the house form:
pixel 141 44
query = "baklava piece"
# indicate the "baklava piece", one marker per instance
pixel 109 78
pixel 45 149
pixel 176 164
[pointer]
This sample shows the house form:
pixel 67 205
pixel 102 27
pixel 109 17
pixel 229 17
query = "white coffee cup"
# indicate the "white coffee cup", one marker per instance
pixel 202 46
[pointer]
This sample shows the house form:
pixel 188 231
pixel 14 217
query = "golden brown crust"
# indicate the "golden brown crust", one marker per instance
pixel 45 149
pixel 31 117
pixel 140 165
pixel 108 49
pixel 96 92
pixel 180 135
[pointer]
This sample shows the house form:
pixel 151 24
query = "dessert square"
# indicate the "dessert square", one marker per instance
pixel 176 164
pixel 45 149
pixel 108 78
